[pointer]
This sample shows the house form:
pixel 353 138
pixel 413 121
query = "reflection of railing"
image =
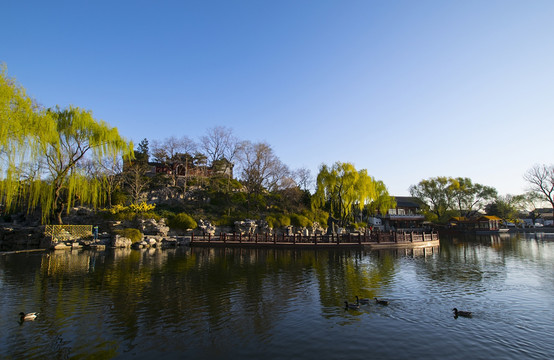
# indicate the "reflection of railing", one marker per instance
pixel 405 216
pixel 67 232
pixel 315 240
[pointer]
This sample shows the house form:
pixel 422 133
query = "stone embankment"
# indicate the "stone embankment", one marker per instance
pixel 17 237
pixel 14 237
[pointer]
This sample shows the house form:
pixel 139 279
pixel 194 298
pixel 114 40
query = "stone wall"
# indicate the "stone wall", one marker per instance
pixel 15 237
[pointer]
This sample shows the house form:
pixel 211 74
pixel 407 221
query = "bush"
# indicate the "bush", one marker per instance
pixel 182 221
pixel 277 221
pixel 134 234
pixel 283 220
pixel 321 217
pixel 359 225
pixel 147 215
pixel 271 221
pixel 166 213
pixel 225 220
pixel 119 198
pixel 300 221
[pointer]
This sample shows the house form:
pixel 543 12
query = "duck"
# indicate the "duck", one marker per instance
pixel 362 300
pixel 461 313
pixel 27 317
pixel 352 306
pixel 381 302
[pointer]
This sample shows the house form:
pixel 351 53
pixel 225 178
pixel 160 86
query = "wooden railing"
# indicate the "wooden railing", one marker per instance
pixel 297 239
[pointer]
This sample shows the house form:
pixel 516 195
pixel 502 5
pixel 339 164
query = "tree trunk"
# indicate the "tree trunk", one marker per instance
pixel 57 205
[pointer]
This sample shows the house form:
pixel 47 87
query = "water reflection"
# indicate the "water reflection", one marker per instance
pixel 245 302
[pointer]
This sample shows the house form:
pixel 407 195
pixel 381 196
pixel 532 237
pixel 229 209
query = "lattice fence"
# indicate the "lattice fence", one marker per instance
pixel 68 232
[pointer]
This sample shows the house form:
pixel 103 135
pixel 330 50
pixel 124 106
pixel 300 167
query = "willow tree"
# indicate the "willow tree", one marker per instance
pixel 383 200
pixel 344 190
pixel 79 136
pixel 53 142
pixel 25 129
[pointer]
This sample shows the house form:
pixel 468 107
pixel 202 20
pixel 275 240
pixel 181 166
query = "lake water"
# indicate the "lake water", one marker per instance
pixel 283 304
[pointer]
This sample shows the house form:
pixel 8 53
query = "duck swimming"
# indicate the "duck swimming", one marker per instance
pixel 27 317
pixel 347 306
pixel 461 313
pixel 362 300
pixel 381 302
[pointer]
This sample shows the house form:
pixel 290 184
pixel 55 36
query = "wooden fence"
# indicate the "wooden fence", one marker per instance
pixel 375 238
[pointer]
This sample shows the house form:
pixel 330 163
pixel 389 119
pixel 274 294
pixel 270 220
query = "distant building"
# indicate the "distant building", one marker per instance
pixel 405 216
pixel 221 167
pixel 483 223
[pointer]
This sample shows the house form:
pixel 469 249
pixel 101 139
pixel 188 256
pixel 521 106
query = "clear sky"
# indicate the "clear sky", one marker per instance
pixel 405 89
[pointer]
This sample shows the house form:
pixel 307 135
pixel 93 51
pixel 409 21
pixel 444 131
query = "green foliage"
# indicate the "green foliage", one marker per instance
pixel 321 217
pixel 271 220
pixel 443 197
pixel 147 215
pixel 225 220
pixel 437 194
pixel 359 225
pixel 341 189
pixel 383 201
pixel 166 213
pixel 182 221
pixel 300 220
pixel 283 220
pixel 278 220
pixel 507 207
pixel 61 139
pixel 471 197
pixel 119 198
pixel 134 234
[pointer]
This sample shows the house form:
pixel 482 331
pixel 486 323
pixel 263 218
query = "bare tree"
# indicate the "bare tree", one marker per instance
pixel 303 177
pixel 541 181
pixel 261 169
pixel 107 171
pixel 219 143
pixel 221 148
pixel 110 169
pixel 135 179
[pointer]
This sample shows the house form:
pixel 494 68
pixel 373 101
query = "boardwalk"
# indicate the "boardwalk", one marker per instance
pixel 376 240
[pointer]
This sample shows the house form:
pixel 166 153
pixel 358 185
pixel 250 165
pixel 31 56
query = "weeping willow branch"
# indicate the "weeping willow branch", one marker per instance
pixel 61 138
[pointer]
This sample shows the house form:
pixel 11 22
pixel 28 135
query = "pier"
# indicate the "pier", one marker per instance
pixel 377 240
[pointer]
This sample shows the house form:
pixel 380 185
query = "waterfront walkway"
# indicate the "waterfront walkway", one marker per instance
pixel 377 240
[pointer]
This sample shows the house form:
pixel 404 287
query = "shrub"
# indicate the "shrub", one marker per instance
pixel 359 225
pixel 182 221
pixel 142 207
pixel 148 215
pixel 271 221
pixel 225 220
pixel 119 198
pixel 282 220
pixel 300 221
pixel 321 217
pixel 134 234
pixel 166 213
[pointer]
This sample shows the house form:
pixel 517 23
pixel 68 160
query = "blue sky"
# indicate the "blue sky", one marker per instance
pixel 405 89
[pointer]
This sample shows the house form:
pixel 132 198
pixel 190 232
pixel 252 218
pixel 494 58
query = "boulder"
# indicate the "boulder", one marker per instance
pixel 153 227
pixel 206 227
pixel 121 242
pixel 60 246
